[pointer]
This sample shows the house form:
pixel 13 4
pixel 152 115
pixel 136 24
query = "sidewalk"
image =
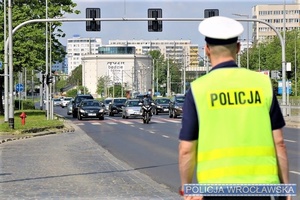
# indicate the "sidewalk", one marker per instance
pixel 71 166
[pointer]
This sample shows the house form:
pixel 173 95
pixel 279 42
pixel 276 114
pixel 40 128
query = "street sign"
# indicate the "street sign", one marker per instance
pixel 0 65
pixel 19 87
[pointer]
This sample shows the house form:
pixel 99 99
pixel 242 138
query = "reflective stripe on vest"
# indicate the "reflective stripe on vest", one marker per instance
pixel 235 143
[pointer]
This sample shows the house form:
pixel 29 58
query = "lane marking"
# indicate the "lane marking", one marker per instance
pixel 126 122
pixel 152 132
pixel 96 123
pixel 111 123
pixel 293 172
pixel 165 136
pixel 293 141
pixel 80 124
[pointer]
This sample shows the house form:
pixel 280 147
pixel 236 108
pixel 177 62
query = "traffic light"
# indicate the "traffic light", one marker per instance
pixel 289 74
pixel 49 79
pixel 93 25
pixel 155 25
pixel 279 74
pixel 211 13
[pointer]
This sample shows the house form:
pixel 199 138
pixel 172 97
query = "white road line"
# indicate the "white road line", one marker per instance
pixel 80 124
pixel 126 122
pixel 293 141
pixel 141 129
pixel 165 136
pixel 152 132
pixel 111 123
pixel 96 123
pixel 293 172
pixel 158 122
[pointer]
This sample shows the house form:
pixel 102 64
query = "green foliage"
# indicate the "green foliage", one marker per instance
pixel 268 56
pixel 116 91
pixel 72 93
pixel 29 41
pixel 160 72
pixel 24 104
pixel 102 84
pixel 76 76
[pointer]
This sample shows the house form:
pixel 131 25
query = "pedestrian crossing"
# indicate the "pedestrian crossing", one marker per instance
pixel 116 121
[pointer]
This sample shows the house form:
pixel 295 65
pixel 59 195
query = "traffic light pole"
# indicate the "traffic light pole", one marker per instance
pixel 11 32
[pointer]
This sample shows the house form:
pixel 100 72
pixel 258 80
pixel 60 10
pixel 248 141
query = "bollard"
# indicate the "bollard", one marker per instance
pixel 23 116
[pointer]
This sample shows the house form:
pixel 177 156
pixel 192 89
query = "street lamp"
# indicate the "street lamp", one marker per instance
pixel 244 15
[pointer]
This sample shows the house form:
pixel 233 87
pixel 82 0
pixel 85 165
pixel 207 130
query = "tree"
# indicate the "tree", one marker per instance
pixel 76 76
pixel 161 65
pixel 102 84
pixel 29 41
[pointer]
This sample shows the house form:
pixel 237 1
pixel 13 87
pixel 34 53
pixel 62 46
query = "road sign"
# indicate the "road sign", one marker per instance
pixel 19 87
pixel 0 65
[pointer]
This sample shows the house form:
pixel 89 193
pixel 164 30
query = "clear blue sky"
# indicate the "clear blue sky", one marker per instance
pixel 170 8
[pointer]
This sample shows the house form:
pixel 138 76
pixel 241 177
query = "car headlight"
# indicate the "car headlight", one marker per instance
pixel 81 110
pixel 159 106
pixel 101 110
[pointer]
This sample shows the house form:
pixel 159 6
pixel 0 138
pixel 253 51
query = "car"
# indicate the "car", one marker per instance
pixel 131 109
pixel 69 108
pixel 90 108
pixel 115 106
pixel 106 103
pixel 56 102
pixel 76 102
pixel 161 105
pixel 65 101
pixel 175 105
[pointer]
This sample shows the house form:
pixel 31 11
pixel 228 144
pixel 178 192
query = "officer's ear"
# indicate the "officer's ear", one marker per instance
pixel 238 47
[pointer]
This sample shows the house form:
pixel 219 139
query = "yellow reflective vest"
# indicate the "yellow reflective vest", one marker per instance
pixel 235 143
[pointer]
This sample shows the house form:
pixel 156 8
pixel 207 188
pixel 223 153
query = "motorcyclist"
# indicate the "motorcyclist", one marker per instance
pixel 147 100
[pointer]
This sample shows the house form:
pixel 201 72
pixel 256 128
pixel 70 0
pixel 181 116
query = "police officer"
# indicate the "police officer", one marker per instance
pixel 232 125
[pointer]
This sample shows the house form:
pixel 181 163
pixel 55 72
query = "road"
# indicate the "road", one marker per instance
pixel 153 148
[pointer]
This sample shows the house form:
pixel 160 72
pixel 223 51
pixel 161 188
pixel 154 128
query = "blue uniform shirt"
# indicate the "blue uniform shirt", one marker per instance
pixel 190 126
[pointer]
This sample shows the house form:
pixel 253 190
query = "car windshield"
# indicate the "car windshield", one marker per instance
pixel 133 103
pixel 180 99
pixel 90 103
pixel 166 101
pixel 120 100
pixel 68 98
pixel 107 101
pixel 56 99
pixel 81 98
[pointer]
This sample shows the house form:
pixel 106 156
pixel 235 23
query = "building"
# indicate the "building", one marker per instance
pixel 181 51
pixel 274 14
pixel 119 66
pixel 78 47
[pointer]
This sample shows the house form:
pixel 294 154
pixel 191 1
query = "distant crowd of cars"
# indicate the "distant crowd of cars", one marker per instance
pixel 85 106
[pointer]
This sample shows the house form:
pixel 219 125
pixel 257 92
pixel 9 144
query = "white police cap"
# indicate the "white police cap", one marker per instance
pixel 220 30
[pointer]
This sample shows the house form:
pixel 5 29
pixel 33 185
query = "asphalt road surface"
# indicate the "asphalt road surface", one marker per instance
pixel 153 148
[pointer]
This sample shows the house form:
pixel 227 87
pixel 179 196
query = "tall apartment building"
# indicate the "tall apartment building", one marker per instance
pixel 181 51
pixel 274 14
pixel 77 47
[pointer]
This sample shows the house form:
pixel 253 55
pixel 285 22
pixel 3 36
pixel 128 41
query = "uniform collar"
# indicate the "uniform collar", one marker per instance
pixel 227 64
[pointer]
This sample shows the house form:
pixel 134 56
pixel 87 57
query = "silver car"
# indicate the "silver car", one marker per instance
pixel 69 108
pixel 131 109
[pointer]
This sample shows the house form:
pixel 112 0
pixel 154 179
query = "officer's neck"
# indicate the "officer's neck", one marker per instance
pixel 218 60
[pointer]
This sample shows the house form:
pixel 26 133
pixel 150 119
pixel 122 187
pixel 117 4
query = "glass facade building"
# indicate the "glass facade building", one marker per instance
pixel 116 50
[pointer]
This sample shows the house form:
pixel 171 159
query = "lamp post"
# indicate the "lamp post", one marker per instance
pixel 244 15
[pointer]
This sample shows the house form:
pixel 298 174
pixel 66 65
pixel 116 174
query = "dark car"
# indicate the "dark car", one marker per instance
pixel 76 102
pixel 116 105
pixel 161 105
pixel 175 105
pixel 89 108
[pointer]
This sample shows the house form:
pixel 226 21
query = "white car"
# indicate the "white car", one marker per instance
pixel 65 101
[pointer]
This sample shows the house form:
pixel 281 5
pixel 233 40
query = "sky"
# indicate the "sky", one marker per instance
pixel 185 30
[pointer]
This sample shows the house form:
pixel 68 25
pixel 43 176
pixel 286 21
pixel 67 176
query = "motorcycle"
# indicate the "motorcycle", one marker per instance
pixel 146 112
